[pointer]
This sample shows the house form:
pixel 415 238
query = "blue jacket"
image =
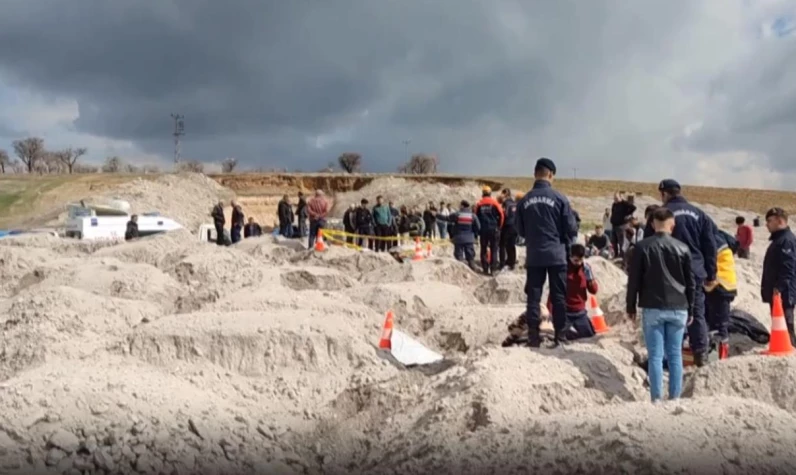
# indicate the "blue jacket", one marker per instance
pixel 465 225
pixel 545 220
pixel 696 230
pixel 779 268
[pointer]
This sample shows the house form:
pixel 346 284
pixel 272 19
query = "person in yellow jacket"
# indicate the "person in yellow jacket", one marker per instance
pixel 722 292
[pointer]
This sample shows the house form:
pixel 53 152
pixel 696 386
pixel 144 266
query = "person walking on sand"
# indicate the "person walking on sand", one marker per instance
pixel 661 282
pixel 544 219
pixel 317 210
pixel 745 237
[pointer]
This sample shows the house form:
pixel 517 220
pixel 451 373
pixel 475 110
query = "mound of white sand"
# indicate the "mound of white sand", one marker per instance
pixel 170 355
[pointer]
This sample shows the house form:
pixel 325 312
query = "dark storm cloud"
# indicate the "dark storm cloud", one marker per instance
pixel 260 80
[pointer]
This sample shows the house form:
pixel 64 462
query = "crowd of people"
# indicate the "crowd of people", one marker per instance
pixel 680 265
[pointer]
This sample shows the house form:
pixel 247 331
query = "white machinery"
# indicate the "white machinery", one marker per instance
pixel 92 222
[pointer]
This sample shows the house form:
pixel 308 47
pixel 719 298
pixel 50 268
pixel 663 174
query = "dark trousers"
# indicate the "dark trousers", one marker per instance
pixel 382 231
pixel 302 225
pixel 234 233
pixel 286 228
pixel 743 253
pixel 315 226
pixel 618 240
pixel 508 248
pixel 579 325
pixel 535 279
pixel 361 240
pixel 698 331
pixel 464 252
pixel 489 240
pixel 350 239
pixel 220 234
pixel 717 313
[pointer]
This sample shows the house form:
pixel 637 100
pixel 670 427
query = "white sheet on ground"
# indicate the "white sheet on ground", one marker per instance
pixel 409 351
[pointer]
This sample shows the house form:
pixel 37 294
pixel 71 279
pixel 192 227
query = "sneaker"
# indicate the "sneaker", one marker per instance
pixel 724 350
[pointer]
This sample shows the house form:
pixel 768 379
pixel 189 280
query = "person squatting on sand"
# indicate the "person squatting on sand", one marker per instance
pixel 661 282
pixel 580 283
pixel 779 266
pixel 695 229
pixel 545 220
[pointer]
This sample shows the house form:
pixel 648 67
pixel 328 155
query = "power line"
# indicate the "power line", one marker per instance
pixel 179 131
pixel 406 148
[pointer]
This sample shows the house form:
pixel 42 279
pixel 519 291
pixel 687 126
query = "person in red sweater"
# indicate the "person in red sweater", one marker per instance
pixel 744 236
pixel 580 283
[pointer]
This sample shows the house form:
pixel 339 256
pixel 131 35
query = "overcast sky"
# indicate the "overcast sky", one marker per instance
pixel 701 90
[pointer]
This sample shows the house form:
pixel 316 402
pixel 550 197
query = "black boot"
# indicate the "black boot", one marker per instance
pixel 560 340
pixel 700 359
pixel 791 333
pixel 534 339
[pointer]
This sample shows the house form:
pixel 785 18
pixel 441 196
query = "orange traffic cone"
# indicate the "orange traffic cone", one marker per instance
pixel 320 246
pixel 779 344
pixel 597 317
pixel 428 250
pixel 418 251
pixel 386 332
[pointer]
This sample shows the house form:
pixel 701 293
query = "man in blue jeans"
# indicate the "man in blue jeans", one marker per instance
pixel 661 282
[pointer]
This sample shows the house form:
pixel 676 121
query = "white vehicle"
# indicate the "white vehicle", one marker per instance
pixel 110 222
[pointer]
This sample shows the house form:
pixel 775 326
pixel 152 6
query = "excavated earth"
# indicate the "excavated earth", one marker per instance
pixel 169 355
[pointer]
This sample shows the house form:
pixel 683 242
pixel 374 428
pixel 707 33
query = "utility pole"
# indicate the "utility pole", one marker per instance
pixel 575 173
pixel 406 148
pixel 179 131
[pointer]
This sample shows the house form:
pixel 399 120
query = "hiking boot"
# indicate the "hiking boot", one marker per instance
pixel 700 359
pixel 560 341
pixel 534 339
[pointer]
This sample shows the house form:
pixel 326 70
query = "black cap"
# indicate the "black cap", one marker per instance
pixel 778 212
pixel 668 184
pixel 546 163
pixel 464 204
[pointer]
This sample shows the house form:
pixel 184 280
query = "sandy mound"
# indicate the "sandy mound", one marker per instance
pixel 118 415
pixel 41 323
pixel 714 435
pixel 407 193
pixel 438 269
pixel 315 278
pixel 256 344
pixel 113 278
pixel 161 250
pixel 186 198
pixel 353 262
pixel 763 378
pixel 269 251
pixel 504 289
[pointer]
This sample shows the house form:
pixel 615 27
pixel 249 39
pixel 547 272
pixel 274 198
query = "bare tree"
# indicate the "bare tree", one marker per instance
pixel 420 164
pixel 82 168
pixel 130 168
pixel 228 165
pixel 18 167
pixel 112 165
pixel 50 163
pixel 192 166
pixel 70 156
pixel 29 151
pixel 5 161
pixel 350 162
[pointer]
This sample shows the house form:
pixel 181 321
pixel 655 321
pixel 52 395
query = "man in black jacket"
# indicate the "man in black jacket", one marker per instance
pixel 779 266
pixel 132 228
pixel 696 230
pixel 218 221
pixel 284 212
pixel 363 219
pixel 236 226
pixel 301 213
pixel 661 281
pixel 252 229
pixel 349 225
pixel 620 210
